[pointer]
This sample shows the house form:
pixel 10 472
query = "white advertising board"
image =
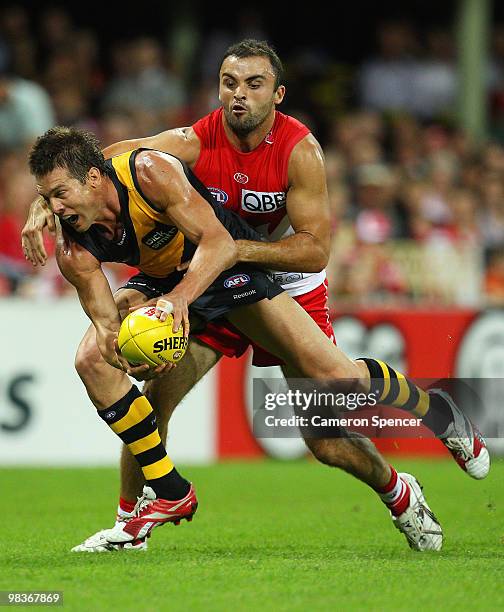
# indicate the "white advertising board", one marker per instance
pixel 46 417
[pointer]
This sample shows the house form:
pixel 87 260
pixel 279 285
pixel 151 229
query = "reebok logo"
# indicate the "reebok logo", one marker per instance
pixel 237 296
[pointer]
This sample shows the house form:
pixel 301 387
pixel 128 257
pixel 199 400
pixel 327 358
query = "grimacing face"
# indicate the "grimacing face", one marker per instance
pixel 247 92
pixel 69 199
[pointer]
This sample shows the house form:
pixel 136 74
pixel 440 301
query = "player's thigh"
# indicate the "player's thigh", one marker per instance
pixel 166 391
pixel 282 327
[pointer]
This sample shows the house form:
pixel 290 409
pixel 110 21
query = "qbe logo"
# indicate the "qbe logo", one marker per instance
pixel 238 280
pixel 262 201
pixel 220 196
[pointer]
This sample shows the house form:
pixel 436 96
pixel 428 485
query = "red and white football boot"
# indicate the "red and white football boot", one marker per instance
pixel 98 543
pixel 151 512
pixel 418 523
pixel 465 443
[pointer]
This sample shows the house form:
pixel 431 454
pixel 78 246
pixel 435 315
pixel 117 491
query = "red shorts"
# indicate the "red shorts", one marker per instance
pixel 224 337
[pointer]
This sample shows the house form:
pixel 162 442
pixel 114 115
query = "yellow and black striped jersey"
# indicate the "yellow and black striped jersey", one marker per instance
pixel 149 241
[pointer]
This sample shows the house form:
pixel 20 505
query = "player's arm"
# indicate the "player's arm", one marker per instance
pixel 181 142
pixel 164 182
pixel 84 272
pixel 307 250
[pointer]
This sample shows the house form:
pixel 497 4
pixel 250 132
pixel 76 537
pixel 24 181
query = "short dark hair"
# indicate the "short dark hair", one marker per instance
pixel 258 48
pixel 67 147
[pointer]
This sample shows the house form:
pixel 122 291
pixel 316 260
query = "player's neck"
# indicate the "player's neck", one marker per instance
pixel 110 212
pixel 251 141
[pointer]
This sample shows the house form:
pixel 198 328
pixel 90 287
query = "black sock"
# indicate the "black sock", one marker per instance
pixel 439 416
pixel 395 389
pixel 172 486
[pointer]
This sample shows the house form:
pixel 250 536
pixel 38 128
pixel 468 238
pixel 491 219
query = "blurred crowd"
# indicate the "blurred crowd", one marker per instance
pixel 417 207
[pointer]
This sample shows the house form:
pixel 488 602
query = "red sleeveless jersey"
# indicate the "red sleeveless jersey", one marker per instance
pixel 254 184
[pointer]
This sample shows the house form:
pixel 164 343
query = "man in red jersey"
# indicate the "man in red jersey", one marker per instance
pixel 269 169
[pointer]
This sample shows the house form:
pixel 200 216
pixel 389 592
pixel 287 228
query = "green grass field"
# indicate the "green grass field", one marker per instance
pixel 267 535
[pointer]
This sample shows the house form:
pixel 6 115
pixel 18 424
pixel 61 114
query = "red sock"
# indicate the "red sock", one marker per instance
pixel 396 494
pixel 125 505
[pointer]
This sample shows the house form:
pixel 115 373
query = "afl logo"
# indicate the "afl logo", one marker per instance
pixel 238 280
pixel 221 197
pixel 241 178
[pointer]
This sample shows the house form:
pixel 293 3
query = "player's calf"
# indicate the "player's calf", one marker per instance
pixel 354 454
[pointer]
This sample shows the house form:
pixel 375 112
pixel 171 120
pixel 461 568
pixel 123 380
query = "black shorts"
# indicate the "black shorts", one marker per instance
pixel 239 286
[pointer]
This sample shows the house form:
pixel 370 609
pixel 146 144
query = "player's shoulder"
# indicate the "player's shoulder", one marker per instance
pixel 308 146
pixel 306 161
pixel 292 134
pixel 152 165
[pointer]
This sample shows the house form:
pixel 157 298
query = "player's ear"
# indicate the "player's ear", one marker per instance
pixel 94 176
pixel 279 94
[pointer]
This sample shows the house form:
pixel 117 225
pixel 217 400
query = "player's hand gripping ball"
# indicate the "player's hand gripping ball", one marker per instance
pixel 143 338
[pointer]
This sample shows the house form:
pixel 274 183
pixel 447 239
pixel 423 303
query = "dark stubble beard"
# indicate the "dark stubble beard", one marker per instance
pixel 244 126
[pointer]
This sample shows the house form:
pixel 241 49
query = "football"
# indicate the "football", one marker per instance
pixel 143 338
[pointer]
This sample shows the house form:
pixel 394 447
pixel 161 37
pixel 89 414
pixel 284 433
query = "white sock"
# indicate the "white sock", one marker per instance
pixel 122 514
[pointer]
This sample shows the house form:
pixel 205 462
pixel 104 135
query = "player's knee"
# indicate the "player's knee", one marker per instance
pixel 123 305
pixel 339 368
pixel 362 369
pixel 345 371
pixel 88 359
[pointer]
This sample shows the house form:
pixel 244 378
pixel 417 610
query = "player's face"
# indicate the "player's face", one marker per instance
pixel 247 92
pixel 69 199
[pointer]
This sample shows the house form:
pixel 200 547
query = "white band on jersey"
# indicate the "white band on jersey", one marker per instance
pixel 297 283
